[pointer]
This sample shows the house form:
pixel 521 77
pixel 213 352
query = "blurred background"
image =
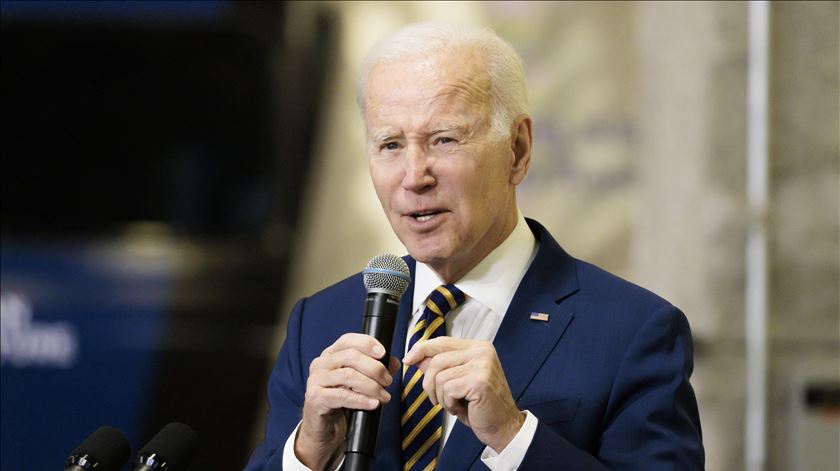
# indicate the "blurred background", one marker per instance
pixel 175 175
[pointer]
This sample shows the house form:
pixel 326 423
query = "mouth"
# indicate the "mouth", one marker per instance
pixel 425 215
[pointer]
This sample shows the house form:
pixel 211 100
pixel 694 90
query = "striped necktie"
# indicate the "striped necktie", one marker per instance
pixel 422 423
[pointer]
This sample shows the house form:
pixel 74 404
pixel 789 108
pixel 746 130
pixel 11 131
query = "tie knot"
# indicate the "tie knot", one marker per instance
pixel 444 299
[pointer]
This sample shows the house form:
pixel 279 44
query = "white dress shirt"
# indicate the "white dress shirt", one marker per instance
pixel 489 287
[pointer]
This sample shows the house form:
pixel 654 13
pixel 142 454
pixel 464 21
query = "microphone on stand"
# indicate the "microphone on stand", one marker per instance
pixel 386 278
pixel 106 449
pixel 171 449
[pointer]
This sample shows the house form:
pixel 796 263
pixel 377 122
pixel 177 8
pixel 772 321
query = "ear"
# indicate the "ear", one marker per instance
pixel 521 148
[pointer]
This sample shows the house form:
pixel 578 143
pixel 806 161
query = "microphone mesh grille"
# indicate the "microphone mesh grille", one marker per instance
pixel 387 272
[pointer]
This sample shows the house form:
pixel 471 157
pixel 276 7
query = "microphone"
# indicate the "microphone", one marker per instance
pixel 106 449
pixel 171 449
pixel 386 278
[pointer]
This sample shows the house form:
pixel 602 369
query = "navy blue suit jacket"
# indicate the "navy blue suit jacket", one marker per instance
pixel 607 375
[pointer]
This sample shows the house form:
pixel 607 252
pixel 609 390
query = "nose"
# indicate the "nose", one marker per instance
pixel 418 170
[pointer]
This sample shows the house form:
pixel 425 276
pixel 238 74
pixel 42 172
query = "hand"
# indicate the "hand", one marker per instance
pixel 466 378
pixel 347 375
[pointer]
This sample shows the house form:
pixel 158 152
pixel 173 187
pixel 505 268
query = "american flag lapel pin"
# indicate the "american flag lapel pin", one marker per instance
pixel 539 316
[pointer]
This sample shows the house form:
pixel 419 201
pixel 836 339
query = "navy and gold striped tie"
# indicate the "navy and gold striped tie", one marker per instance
pixel 422 423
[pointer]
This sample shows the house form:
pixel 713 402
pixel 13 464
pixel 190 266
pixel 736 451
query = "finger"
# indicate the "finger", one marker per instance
pixel 338 398
pixel 361 342
pixel 355 359
pixel 457 407
pixel 352 379
pixel 449 390
pixel 424 365
pixel 430 348
pixel 438 364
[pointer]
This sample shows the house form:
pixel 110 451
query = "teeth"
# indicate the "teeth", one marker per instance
pixel 425 217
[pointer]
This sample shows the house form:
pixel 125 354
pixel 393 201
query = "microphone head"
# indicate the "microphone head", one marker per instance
pixel 106 449
pixel 387 273
pixel 171 449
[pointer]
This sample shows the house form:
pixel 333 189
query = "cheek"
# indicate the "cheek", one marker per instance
pixel 486 191
pixel 381 184
pixel 481 182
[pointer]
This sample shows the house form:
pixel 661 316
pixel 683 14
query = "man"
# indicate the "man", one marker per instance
pixel 547 362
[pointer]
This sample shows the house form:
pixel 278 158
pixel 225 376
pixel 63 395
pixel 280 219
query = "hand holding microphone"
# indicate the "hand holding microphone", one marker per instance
pixel 352 374
pixel 386 278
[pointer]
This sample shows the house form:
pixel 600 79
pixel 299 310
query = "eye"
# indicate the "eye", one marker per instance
pixel 444 140
pixel 389 146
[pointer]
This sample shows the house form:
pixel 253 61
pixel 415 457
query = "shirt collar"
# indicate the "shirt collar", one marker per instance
pixel 495 279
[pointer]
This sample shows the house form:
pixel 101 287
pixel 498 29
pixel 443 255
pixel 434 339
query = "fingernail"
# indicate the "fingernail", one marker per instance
pixel 386 396
pixel 378 351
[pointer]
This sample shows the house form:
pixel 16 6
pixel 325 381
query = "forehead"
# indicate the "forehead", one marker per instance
pixel 455 79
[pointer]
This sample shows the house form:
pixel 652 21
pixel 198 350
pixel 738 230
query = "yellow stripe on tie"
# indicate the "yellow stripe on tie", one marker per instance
pixel 433 307
pixel 448 295
pixel 419 427
pixel 431 465
pixel 407 389
pixel 418 327
pixel 428 443
pixel 413 407
pixel 432 327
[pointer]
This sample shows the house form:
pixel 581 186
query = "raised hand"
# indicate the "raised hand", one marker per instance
pixel 466 378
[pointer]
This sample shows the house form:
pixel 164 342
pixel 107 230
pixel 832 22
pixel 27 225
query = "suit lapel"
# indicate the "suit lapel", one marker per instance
pixel 523 344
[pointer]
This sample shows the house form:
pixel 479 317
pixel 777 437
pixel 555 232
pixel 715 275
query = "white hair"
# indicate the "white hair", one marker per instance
pixel 508 89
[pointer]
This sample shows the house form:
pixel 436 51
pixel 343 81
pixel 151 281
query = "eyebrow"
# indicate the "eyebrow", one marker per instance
pixel 384 136
pixel 448 128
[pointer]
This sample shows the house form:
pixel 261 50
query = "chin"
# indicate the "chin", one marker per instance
pixel 430 248
pixel 429 258
pixel 427 255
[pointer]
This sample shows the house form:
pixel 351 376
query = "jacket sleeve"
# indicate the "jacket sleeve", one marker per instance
pixel 286 389
pixel 651 420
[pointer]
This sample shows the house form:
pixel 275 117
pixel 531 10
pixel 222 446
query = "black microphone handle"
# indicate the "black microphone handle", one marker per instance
pixel 106 449
pixel 362 426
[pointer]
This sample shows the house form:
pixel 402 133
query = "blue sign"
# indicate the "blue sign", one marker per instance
pixel 80 327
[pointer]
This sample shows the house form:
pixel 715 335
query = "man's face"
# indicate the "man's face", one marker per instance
pixel 445 182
